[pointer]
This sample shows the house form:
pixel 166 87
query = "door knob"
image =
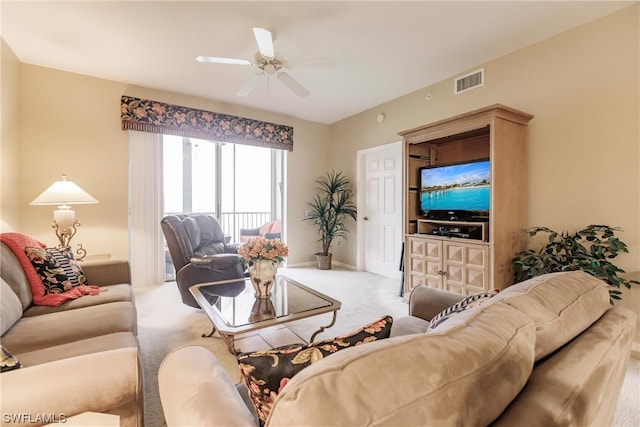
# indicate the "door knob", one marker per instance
pixel 366 218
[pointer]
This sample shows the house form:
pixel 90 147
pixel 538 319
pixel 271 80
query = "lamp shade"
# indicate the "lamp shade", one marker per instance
pixel 63 193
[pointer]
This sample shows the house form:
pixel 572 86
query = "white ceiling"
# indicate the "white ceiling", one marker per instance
pixel 382 50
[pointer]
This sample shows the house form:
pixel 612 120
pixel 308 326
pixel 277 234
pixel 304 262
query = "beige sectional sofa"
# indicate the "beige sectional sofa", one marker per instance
pixel 81 356
pixel 548 351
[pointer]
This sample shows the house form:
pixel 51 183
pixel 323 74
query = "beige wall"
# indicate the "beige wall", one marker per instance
pixel 10 179
pixel 583 143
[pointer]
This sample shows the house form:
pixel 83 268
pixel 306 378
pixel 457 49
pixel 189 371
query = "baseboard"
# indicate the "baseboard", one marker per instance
pixel 302 264
pixel 310 264
pixel 347 266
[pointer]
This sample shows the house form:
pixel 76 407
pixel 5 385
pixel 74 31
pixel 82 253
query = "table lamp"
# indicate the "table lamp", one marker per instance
pixel 64 193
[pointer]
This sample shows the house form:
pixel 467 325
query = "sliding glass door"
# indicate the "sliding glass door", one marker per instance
pixel 241 185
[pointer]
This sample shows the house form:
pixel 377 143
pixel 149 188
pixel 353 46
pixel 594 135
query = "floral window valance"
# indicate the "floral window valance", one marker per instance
pixel 157 117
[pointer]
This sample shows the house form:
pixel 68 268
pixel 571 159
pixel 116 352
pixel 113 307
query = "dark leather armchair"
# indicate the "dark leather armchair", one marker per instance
pixel 199 252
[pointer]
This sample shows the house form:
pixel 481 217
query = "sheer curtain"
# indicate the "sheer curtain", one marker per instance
pixel 146 244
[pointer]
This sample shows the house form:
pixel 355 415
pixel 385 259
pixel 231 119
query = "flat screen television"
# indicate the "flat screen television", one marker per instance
pixel 455 192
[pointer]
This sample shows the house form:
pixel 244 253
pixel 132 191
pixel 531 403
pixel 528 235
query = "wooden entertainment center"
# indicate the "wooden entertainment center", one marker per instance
pixel 467 262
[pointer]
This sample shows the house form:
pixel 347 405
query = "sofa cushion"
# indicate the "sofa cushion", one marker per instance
pixel 424 379
pixel 11 308
pixel 111 293
pixel 272 227
pixel 104 382
pixel 78 348
pixel 579 385
pixel 57 268
pixel 562 305
pixel 12 272
pixel 46 330
pixel 266 373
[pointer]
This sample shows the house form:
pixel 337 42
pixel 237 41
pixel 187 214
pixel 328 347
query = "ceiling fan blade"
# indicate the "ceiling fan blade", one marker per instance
pixel 249 86
pixel 292 84
pixel 216 60
pixel 309 63
pixel 265 42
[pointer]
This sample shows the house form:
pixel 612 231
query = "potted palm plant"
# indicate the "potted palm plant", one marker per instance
pixel 328 211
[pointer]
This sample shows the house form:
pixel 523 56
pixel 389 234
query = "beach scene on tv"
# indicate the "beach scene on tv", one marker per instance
pixel 455 187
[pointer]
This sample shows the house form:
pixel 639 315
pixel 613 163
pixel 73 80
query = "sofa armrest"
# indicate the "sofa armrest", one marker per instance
pixel 426 302
pixel 204 396
pixel 97 382
pixel 107 272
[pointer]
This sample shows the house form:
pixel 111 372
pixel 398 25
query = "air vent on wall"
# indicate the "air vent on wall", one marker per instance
pixel 469 81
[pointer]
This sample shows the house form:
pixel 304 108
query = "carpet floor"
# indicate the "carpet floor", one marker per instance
pixel 165 324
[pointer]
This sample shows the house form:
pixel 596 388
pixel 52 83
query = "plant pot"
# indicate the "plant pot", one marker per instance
pixel 263 274
pixel 323 261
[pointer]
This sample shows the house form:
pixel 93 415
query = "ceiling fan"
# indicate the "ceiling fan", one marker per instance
pixel 270 63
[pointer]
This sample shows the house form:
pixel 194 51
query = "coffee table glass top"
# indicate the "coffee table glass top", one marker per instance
pixel 232 306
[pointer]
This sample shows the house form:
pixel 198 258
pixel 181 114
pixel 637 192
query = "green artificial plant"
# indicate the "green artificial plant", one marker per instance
pixel 330 207
pixel 589 250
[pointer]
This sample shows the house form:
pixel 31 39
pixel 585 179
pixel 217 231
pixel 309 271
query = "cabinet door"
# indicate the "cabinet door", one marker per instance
pixel 425 263
pixel 466 267
pixel 433 263
pixel 414 264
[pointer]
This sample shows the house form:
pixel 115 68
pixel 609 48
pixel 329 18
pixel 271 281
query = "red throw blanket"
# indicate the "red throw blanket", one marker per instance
pixel 17 243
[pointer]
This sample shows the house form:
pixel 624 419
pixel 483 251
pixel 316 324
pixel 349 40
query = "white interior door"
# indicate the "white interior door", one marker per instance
pixel 380 210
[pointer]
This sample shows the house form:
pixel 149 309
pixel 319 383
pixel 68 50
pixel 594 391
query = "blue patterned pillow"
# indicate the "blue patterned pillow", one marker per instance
pixel 467 303
pixel 57 268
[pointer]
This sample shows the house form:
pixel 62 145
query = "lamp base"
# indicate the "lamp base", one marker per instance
pixel 65 235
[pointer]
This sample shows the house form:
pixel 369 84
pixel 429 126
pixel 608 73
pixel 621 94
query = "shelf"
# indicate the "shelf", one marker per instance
pixel 458 229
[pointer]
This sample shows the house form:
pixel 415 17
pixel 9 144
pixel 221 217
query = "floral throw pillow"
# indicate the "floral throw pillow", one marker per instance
pixel 466 304
pixel 57 268
pixel 265 373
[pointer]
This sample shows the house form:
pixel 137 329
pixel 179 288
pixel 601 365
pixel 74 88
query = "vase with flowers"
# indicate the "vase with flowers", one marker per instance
pixel 262 258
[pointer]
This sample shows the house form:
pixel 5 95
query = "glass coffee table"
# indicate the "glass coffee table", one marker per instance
pixel 233 309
